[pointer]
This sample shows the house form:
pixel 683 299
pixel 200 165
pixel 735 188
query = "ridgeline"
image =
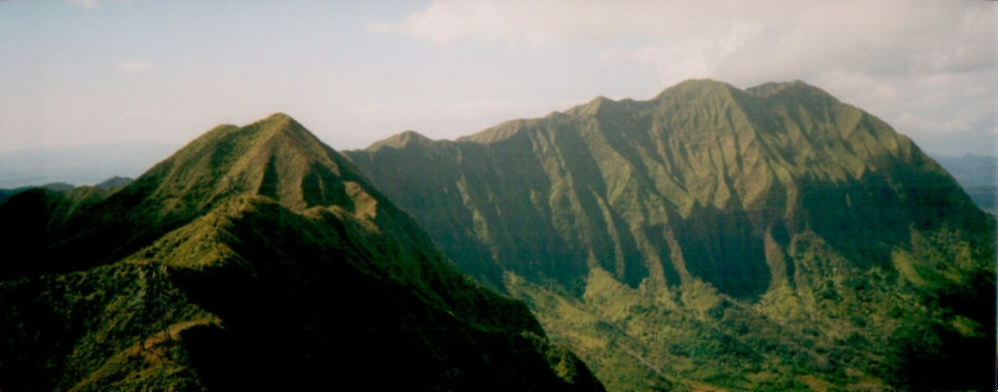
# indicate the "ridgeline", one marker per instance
pixel 712 237
pixel 255 258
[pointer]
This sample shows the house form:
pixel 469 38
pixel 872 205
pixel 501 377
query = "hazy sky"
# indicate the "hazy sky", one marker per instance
pixel 91 72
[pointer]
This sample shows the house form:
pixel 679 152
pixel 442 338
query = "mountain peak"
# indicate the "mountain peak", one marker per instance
pixel 402 140
pixel 279 116
pixel 265 230
pixel 701 147
pixel 282 120
pixel 275 157
pixel 777 202
pixel 696 90
pixel 699 85
pixel 702 84
pixel 283 124
pixel 591 108
pixel 796 89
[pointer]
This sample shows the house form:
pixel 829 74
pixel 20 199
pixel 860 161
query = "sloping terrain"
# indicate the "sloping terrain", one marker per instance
pixel 711 237
pixel 255 257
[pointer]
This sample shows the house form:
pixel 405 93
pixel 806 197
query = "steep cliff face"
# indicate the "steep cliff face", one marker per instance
pixel 693 183
pixel 254 257
pixel 751 192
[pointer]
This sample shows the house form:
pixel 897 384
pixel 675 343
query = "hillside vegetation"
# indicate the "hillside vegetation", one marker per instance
pixel 771 238
pixel 254 258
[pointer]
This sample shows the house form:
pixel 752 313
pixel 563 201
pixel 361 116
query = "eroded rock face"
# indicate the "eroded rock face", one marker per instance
pixel 697 238
pixel 704 181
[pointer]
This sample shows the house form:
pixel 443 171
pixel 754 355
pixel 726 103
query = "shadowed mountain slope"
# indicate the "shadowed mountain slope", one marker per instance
pixel 712 209
pixel 254 257
pixel 624 185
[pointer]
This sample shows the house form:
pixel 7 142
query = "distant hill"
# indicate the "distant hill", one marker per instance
pixel 80 165
pixel 714 238
pixel 55 186
pixel 254 258
pixel 978 175
pixel 114 182
pixel 107 185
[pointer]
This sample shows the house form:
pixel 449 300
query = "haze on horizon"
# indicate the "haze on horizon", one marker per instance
pixel 91 72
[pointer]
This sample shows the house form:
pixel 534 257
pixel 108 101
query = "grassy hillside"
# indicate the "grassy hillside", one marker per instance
pixel 255 257
pixel 770 238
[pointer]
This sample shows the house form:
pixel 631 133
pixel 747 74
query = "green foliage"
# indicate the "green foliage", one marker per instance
pixel 91 328
pixel 772 238
pixel 252 251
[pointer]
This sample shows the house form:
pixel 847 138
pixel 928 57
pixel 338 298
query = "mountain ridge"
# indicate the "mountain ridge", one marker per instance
pixel 246 252
pixel 703 198
pixel 772 238
pixel 740 170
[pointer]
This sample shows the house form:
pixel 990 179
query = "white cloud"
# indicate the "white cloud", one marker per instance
pixel 925 67
pixel 86 3
pixel 95 3
pixel 132 66
pixel 515 22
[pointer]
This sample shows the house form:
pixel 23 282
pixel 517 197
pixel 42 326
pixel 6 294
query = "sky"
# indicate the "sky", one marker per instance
pixel 91 72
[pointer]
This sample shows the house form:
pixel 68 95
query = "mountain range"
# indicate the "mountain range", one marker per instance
pixel 255 257
pixel 713 237
pixel 710 238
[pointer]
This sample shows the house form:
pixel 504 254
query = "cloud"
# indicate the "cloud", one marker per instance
pixel 86 3
pixel 132 66
pixel 94 3
pixel 515 22
pixel 741 39
pixel 924 66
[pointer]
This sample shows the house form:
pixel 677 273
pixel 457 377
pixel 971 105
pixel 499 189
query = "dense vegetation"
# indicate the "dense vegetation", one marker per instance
pixel 771 238
pixel 254 258
pixel 710 238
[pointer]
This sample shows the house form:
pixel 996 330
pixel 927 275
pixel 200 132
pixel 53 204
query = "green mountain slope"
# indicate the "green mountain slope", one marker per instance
pixel 711 237
pixel 255 257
